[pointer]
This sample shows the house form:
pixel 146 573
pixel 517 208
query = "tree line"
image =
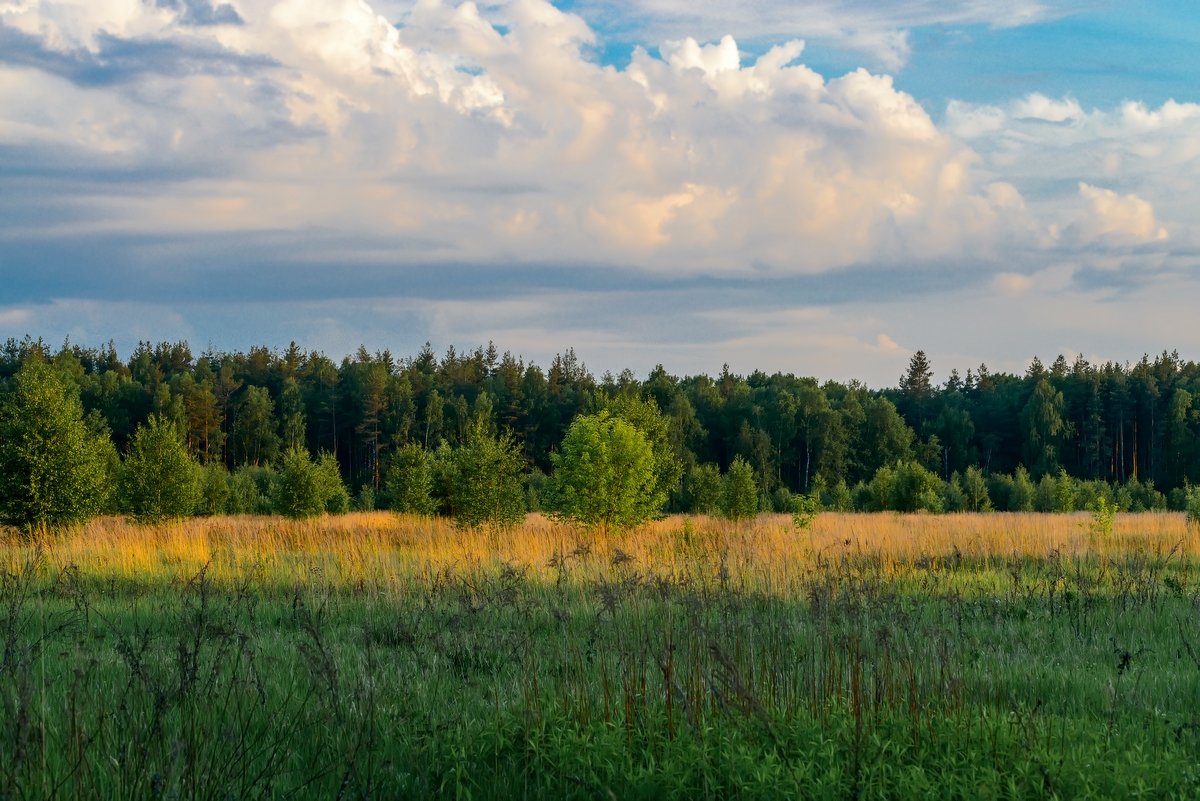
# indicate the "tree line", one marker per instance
pixel 379 431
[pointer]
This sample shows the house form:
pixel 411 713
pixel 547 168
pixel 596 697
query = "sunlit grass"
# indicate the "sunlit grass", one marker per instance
pixel 384 550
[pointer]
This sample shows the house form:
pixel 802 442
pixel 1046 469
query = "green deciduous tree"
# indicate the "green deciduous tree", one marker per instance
pixel 214 490
pixel 54 468
pixel 702 489
pixel 739 491
pixel 484 478
pixel 605 474
pixel 975 489
pixel 665 444
pixel 408 481
pixel 159 479
pixel 305 488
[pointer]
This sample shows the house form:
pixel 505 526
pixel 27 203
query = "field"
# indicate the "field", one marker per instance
pixel 374 656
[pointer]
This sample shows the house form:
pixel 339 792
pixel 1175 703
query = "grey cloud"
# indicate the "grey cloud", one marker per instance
pixel 203 12
pixel 118 61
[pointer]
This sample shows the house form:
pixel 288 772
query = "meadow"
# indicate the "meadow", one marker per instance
pixel 379 656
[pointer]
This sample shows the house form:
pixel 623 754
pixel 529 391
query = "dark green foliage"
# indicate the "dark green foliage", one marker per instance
pixel 408 481
pixel 251 490
pixel 1134 428
pixel 159 479
pixel 1192 507
pixel 739 491
pixel 975 490
pixel 1022 495
pixel 365 500
pixel 906 487
pixel 214 490
pixel 645 416
pixel 337 497
pixel 254 428
pixel 954 497
pixel 54 469
pixel 299 491
pixel 606 474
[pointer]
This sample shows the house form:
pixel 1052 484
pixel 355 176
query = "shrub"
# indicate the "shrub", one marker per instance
pixel 484 478
pixel 159 479
pixel 308 489
pixel 702 489
pixel 408 481
pixel 805 510
pixel 214 490
pixel 251 490
pixel 1104 514
pixel 739 491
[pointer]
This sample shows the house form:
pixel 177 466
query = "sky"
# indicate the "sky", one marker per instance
pixel 819 187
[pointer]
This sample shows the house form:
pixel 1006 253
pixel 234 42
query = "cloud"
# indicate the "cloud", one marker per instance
pixel 310 157
pixel 1116 186
pixel 1124 217
pixel 886 343
pixel 487 134
pixel 1039 107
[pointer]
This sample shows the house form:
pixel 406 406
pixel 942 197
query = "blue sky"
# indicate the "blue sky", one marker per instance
pixel 820 188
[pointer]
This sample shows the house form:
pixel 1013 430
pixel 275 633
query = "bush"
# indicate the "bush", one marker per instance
pixel 1104 514
pixel 299 490
pixel 365 502
pixel 907 487
pixel 408 481
pixel 159 479
pixel 537 486
pixel 329 476
pixel 305 488
pixel 839 498
pixel 702 489
pixel 251 490
pixel 975 488
pixel 214 490
pixel 805 510
pixel 1192 509
pixel 739 491
pixel 484 480
pixel 954 499
pixel 1022 497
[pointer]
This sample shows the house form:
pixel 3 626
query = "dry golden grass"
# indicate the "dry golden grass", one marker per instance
pixel 384 550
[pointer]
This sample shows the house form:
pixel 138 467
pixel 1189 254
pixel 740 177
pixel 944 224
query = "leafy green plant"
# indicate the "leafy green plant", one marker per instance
pixel 805 510
pixel 1192 509
pixel 739 491
pixel 159 479
pixel 1104 515
pixel 605 474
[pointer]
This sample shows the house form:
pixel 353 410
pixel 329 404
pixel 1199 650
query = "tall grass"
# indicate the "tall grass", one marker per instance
pixel 383 549
pixel 372 656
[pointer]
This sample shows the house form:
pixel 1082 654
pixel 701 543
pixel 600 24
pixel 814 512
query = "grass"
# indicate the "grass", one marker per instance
pixel 372 656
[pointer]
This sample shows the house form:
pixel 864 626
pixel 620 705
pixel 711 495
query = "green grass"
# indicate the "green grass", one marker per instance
pixel 1002 678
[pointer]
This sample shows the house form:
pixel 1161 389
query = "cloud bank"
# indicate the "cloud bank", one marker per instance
pixel 453 154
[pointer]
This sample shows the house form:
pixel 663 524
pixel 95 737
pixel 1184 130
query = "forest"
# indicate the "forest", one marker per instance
pixel 1054 439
